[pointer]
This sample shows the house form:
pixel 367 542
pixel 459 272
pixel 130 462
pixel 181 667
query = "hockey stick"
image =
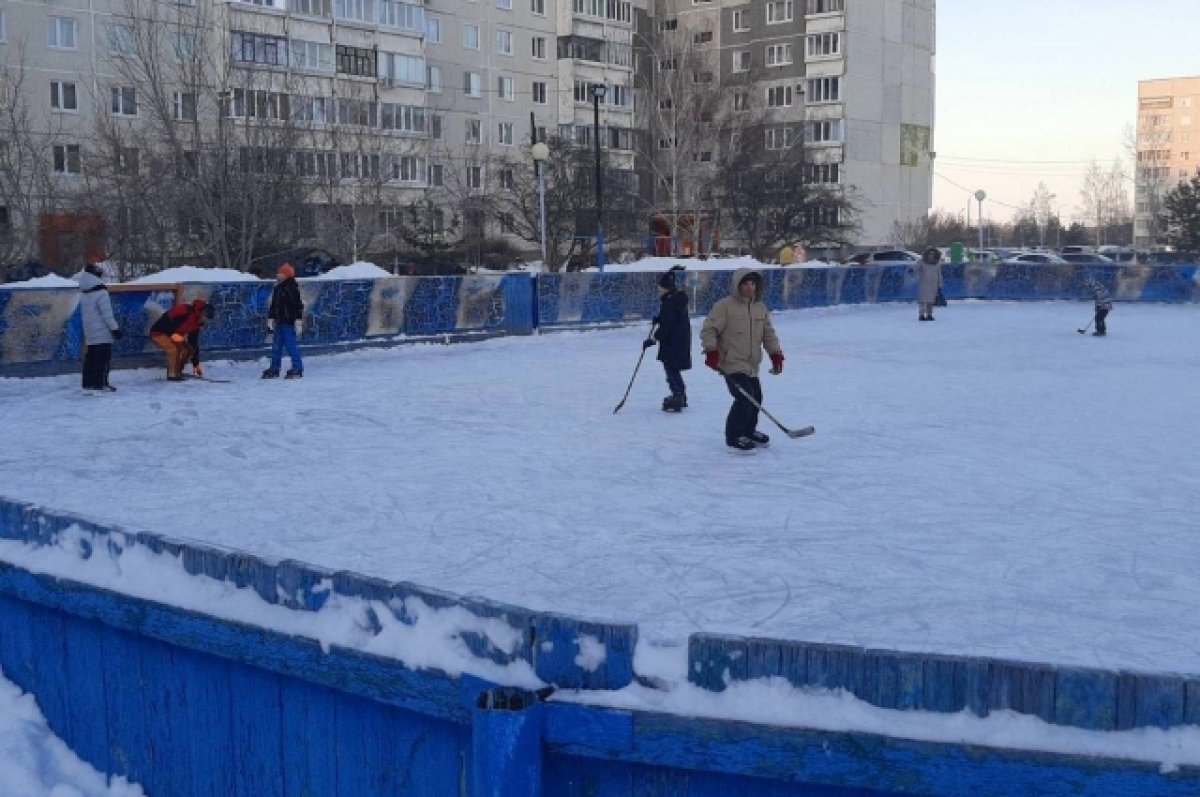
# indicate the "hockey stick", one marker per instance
pixel 792 433
pixel 1086 328
pixel 208 379
pixel 635 373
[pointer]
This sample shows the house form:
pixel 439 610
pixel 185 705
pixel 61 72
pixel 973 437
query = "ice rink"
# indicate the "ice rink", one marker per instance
pixel 992 483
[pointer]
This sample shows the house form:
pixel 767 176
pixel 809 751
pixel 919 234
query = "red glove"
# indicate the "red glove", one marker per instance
pixel 777 362
pixel 712 359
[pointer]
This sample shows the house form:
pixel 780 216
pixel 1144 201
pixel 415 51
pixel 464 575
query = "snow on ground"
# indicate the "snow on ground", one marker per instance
pixel 360 270
pixel 48 281
pixel 35 763
pixel 989 484
pixel 194 274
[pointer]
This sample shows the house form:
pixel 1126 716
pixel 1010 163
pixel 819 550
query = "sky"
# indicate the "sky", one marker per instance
pixel 1046 80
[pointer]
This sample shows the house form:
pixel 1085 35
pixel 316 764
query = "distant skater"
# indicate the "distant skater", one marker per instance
pixel 673 334
pixel 929 281
pixel 285 318
pixel 736 332
pixel 100 329
pixel 1103 305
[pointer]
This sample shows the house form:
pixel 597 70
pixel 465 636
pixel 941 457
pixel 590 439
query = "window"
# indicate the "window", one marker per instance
pixel 741 61
pixel 259 104
pixel 779 11
pixel 615 10
pixel 127 161
pixel 668 64
pixel 183 47
pixel 121 40
pixel 312 8
pixel 435 127
pixel 60 35
pixel 472 84
pixel 505 134
pixel 2 39
pixel 67 159
pixel 538 47
pixel 313 56
pixel 63 96
pixel 395 68
pixel 471 37
pixel 506 88
pixel 437 174
pixel 538 7
pixel 474 131
pixel 406 16
pixel 741 21
pixel 507 181
pixel 5 220
pixel 780 138
pixel 824 45
pixel 474 177
pixel 779 97
pixel 741 101
pixel 703 37
pixel 619 96
pixel 779 54
pixel 433 30
pixel 702 77
pixel 824 89
pixel 668 25
pixel 433 79
pixel 828 131
pixel 184 105
pixel 355 10
pixel 256 48
pixel 504 42
pixel 358 113
pixel 825 6
pixel 539 93
pixel 504 4
pixel 408 169
pixel 318 110
pixel 355 61
pixel 666 143
pixel 666 104
pixel 402 118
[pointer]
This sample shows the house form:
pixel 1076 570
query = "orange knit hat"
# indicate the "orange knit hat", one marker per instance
pixel 286 271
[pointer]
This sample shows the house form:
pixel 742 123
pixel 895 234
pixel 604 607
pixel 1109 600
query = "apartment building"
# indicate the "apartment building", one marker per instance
pixel 372 105
pixel 1168 148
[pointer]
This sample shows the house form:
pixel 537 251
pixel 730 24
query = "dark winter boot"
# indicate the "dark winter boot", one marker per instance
pixel 760 439
pixel 292 373
pixel 672 404
pixel 270 373
pixel 1098 334
pixel 741 445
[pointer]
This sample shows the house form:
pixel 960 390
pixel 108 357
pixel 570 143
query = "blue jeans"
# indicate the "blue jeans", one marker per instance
pixel 285 336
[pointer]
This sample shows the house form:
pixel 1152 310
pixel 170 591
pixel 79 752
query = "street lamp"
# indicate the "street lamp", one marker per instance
pixel 598 92
pixel 980 195
pixel 541 154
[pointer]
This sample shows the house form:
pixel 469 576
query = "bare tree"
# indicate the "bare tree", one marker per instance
pixel 1105 200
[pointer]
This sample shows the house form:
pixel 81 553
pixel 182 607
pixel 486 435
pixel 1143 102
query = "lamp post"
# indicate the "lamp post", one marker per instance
pixel 541 154
pixel 598 92
pixel 980 195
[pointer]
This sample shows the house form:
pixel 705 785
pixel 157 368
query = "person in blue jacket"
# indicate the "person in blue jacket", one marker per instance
pixel 673 334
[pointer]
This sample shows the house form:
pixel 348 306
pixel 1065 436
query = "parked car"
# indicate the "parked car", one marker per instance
pixel 1076 250
pixel 1083 259
pixel 1035 259
pixel 888 257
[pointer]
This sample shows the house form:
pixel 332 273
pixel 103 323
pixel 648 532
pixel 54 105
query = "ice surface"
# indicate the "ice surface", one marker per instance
pixel 989 484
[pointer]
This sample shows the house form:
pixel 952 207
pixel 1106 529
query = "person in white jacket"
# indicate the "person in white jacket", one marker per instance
pixel 100 329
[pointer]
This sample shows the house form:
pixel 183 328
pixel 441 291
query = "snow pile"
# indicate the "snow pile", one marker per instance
pixel 655 264
pixel 48 281
pixel 362 270
pixel 35 763
pixel 194 274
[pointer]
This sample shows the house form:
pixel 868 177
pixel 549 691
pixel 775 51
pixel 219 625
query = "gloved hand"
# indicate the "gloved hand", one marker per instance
pixel 197 370
pixel 177 338
pixel 299 327
pixel 270 324
pixel 647 343
pixel 776 363
pixel 712 359
pixel 117 334
pixel 654 321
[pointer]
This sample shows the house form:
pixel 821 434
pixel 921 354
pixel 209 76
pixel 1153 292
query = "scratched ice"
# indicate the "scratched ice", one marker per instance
pixel 992 483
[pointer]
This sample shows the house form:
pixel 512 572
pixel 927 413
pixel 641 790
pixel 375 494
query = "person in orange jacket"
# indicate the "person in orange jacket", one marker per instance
pixel 177 333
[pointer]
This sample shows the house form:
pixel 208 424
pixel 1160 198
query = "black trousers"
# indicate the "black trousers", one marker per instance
pixel 1101 314
pixel 743 416
pixel 675 381
pixel 96 362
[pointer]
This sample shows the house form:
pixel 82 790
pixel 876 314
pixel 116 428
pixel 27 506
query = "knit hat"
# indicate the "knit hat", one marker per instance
pixel 667 280
pixel 286 271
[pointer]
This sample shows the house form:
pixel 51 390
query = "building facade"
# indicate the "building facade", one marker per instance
pixel 1168 148
pixel 367 107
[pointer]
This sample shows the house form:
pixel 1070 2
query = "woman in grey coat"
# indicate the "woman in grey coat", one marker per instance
pixel 929 280
pixel 99 331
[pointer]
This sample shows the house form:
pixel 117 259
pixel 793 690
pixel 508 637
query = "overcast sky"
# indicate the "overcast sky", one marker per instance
pixel 1046 80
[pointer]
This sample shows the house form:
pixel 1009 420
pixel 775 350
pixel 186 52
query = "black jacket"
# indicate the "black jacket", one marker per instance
pixel 286 304
pixel 674 332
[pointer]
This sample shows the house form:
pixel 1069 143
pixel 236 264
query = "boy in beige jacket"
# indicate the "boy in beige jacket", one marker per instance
pixel 734 336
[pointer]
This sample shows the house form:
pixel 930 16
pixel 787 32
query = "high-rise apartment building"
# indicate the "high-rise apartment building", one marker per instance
pixel 1168 148
pixel 364 108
